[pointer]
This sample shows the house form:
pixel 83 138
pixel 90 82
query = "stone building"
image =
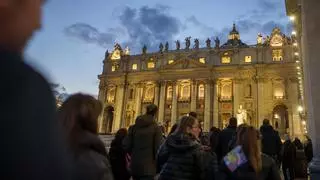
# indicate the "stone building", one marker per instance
pixel 250 82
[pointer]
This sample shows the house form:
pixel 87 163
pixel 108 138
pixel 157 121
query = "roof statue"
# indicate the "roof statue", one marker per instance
pixel 196 43
pixel 217 41
pixel 178 45
pixel 144 49
pixel 188 43
pixel 208 42
pixel 106 55
pixel 117 52
pixel 234 39
pixel 259 39
pixel 276 39
pixel 166 47
pixel 161 47
pixel 127 51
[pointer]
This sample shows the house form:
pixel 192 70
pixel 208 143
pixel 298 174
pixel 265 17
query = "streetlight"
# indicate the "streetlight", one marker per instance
pixel 297 61
pixel 294 33
pixel 296 53
pixel 292 18
pixel 300 109
pixel 295 44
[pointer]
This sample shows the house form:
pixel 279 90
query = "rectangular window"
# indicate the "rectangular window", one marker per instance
pixel 277 55
pixel 113 68
pixel 151 65
pixel 170 61
pixel 202 60
pixel 225 59
pixel 131 94
pixel 247 59
pixel 134 66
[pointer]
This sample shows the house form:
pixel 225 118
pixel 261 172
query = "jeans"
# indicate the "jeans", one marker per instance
pixel 144 178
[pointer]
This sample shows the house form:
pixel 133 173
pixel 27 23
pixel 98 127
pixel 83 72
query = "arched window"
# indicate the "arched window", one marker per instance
pixel 201 91
pixel 184 90
pixel 149 93
pixel 226 90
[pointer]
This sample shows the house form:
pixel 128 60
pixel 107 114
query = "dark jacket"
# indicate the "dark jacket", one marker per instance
pixel 182 158
pixel 269 171
pixel 91 158
pixel 288 154
pixel 32 143
pixel 117 157
pixel 143 141
pixel 271 142
pixel 224 141
pixel 308 150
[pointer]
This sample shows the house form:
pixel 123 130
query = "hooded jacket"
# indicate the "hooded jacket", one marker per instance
pixel 142 143
pixel 92 160
pixel 181 158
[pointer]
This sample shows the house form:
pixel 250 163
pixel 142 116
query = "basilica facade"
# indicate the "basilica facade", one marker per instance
pixel 219 81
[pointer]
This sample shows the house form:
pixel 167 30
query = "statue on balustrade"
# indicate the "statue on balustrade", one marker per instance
pixel 188 43
pixel 208 41
pixel 217 41
pixel 161 47
pixel 196 43
pixel 178 45
pixel 144 49
pixel 166 47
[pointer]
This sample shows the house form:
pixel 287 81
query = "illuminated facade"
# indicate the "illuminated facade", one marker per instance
pixel 250 82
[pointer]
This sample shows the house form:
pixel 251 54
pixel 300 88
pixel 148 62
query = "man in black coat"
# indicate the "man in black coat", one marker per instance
pixel 271 142
pixel 32 144
pixel 225 137
pixel 142 143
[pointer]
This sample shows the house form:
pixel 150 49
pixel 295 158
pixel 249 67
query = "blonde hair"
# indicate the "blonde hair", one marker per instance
pixel 248 138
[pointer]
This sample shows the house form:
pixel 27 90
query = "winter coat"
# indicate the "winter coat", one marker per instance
pixel 271 142
pixel 225 137
pixel 182 158
pixel 288 155
pixel 269 171
pixel 308 151
pixel 91 159
pixel 117 157
pixel 142 143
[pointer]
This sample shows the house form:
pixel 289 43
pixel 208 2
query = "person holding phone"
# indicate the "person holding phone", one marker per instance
pixel 246 161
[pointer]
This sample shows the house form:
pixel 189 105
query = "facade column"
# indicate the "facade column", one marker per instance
pixel 118 107
pixel 236 96
pixel 156 94
pixel 311 54
pixel 162 101
pixel 193 105
pixel 207 107
pixel 174 103
pixel 124 106
pixel 293 95
pixel 138 94
pixel 102 98
pixel 215 104
pixel 260 100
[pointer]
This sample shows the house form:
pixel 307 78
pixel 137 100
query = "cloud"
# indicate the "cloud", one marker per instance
pixel 149 26
pixel 90 34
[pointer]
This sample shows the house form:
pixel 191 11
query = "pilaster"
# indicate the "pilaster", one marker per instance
pixel 138 94
pixel 215 104
pixel 162 100
pixel 118 107
pixel 193 105
pixel 207 106
pixel 174 103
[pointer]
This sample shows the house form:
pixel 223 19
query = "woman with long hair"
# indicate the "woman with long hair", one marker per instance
pixel 117 156
pixel 254 165
pixel 182 157
pixel 79 117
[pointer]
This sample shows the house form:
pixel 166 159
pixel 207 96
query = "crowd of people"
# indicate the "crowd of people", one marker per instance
pixel 39 142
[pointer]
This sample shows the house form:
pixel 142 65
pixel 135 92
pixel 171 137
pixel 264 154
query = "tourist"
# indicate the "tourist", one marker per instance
pixel 142 143
pixel 271 142
pixel 288 158
pixel 225 137
pixel 79 116
pixel 32 143
pixel 118 156
pixel 182 156
pixel 308 149
pixel 298 143
pixel 301 164
pixel 214 138
pixel 253 165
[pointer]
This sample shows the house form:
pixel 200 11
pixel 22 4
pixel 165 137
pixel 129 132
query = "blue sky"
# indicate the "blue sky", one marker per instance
pixel 70 47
